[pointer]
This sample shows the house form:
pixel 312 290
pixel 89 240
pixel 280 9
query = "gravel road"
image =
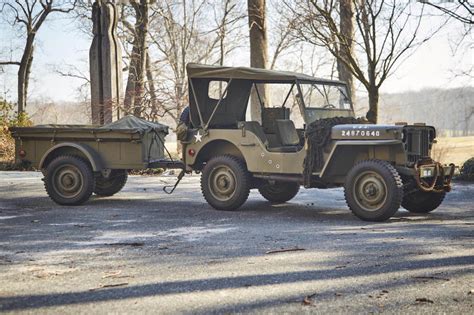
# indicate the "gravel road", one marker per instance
pixel 142 251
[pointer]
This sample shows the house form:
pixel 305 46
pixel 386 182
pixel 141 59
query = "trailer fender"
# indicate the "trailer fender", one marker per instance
pixel 71 148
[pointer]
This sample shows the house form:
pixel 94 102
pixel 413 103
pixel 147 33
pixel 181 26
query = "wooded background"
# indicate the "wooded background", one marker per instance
pixel 362 42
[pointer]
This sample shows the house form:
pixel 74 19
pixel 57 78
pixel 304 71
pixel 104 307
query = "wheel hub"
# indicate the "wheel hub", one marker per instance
pixel 222 183
pixel 67 181
pixel 370 191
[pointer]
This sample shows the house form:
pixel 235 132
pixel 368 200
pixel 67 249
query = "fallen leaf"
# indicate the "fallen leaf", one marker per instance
pixel 308 300
pixel 284 250
pixel 424 300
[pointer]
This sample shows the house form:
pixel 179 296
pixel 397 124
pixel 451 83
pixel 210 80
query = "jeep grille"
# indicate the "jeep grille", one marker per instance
pixel 418 141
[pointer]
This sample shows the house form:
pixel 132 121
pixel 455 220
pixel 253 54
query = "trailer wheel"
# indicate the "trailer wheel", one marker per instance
pixel 225 182
pixel 69 180
pixel 111 185
pixel 422 202
pixel 373 190
pixel 280 191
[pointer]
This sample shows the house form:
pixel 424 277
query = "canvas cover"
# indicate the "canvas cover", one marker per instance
pixel 253 74
pixel 134 123
pixel 153 135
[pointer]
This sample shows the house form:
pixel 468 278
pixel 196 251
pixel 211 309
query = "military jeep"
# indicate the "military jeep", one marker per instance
pixel 306 135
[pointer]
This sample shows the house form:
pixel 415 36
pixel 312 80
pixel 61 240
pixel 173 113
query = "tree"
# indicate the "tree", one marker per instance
pixel 385 33
pixel 183 32
pixel 134 90
pixel 258 49
pixel 460 10
pixel 30 16
pixel 346 9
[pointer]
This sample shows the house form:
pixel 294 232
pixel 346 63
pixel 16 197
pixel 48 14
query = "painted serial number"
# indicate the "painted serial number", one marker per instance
pixel 362 133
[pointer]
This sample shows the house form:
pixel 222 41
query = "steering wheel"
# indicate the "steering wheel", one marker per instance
pixel 329 106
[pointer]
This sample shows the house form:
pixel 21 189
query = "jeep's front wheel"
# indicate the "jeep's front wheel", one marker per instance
pixel 422 202
pixel 373 190
pixel 279 192
pixel 225 182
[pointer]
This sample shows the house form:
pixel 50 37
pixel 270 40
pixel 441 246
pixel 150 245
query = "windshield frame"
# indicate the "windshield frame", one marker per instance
pixel 309 113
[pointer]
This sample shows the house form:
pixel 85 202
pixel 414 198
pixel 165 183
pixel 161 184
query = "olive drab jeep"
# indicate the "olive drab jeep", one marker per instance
pixel 307 136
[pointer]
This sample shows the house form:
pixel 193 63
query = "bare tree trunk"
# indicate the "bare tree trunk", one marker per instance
pixel 346 48
pixel 258 49
pixel 372 114
pixel 24 73
pixel 151 86
pixel 133 100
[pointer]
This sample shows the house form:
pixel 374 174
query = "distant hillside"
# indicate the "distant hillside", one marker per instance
pixel 451 111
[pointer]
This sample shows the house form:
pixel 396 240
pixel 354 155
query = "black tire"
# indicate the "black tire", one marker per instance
pixel 225 182
pixel 69 180
pixel 422 202
pixel 373 190
pixel 280 191
pixel 111 185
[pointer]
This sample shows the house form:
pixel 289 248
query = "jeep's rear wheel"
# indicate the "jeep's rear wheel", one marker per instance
pixel 373 190
pixel 279 192
pixel 225 182
pixel 422 202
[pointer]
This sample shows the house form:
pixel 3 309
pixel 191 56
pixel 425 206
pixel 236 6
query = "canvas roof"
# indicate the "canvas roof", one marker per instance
pixel 255 74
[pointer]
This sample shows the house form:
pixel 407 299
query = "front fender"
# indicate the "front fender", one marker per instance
pixel 345 154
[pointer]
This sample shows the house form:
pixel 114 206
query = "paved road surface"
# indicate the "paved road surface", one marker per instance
pixel 143 250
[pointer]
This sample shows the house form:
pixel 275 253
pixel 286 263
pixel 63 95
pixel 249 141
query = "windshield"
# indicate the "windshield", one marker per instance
pixel 324 96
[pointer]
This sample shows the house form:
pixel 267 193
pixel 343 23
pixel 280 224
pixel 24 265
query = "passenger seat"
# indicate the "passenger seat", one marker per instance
pixel 256 128
pixel 286 132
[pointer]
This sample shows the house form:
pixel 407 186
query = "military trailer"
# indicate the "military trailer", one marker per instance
pixel 78 160
pixel 380 166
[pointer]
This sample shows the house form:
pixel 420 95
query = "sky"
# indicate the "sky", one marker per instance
pixel 59 44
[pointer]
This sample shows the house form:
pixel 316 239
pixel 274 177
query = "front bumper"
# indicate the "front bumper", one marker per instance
pixel 432 176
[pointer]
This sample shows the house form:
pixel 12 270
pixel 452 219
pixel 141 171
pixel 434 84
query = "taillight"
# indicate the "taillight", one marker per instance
pixel 22 153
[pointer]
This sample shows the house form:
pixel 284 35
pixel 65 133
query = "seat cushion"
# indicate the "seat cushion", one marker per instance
pixel 286 132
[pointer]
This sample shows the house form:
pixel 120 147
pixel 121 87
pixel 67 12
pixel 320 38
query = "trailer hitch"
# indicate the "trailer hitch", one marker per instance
pixel 173 187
